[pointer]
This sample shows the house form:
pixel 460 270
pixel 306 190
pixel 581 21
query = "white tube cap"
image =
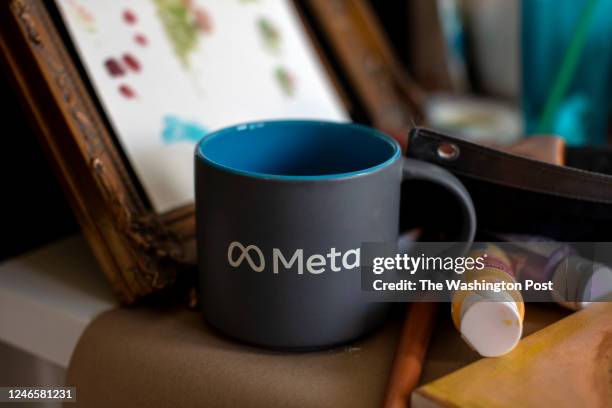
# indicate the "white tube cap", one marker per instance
pixel 491 328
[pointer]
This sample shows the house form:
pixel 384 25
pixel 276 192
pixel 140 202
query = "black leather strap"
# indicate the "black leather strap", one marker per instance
pixel 485 164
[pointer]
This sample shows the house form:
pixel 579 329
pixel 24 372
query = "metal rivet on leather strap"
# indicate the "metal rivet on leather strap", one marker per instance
pixel 447 151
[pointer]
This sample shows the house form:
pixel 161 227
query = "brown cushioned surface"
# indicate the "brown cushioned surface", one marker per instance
pixel 171 358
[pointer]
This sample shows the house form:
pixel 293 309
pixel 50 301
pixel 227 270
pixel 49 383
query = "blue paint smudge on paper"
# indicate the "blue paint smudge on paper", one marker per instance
pixel 177 130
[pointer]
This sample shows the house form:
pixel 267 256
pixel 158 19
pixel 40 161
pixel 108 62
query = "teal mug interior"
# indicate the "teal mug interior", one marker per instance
pixel 298 149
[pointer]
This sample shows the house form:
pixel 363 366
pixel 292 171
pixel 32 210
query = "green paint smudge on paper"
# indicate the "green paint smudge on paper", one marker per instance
pixel 176 17
pixel 285 80
pixel 270 34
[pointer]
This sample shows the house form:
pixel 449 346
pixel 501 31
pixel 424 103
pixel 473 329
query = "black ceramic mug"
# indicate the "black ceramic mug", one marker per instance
pixel 282 208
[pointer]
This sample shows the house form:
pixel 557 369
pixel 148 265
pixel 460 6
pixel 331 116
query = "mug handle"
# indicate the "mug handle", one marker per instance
pixel 420 170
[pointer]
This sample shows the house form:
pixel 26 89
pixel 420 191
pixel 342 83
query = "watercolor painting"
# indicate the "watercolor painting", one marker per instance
pixel 220 63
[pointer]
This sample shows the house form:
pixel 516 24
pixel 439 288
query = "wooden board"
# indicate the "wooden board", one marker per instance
pixel 567 364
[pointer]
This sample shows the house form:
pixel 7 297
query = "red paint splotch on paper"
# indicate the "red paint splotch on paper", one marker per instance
pixel 113 67
pixel 131 62
pixel 141 40
pixel 203 20
pixel 126 91
pixel 129 16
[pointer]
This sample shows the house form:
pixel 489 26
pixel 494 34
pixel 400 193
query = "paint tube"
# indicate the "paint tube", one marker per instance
pixel 577 281
pixel 490 322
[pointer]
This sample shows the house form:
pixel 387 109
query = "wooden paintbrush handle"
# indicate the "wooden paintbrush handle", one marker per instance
pixel 411 350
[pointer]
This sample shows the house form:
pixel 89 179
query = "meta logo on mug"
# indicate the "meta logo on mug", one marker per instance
pixel 237 253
